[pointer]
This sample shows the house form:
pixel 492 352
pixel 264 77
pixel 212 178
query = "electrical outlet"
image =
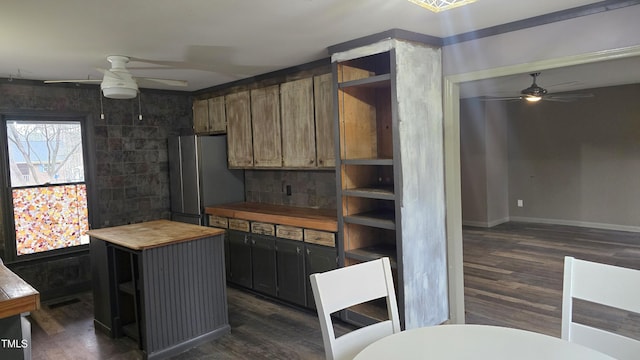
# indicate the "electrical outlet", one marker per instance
pixel 520 203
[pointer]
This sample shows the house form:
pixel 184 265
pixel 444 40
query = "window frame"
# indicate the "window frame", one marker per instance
pixel 88 152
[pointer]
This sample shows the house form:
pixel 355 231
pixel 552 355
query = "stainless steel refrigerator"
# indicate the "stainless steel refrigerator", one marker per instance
pixel 199 176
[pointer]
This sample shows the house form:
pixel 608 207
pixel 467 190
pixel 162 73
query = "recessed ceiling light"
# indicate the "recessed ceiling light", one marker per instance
pixel 441 5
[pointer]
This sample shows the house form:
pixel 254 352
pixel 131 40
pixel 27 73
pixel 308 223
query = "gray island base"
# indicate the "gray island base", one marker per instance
pixel 161 283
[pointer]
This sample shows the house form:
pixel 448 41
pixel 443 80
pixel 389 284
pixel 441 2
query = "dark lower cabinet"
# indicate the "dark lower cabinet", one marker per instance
pixel 291 276
pixel 318 258
pixel 275 266
pixel 240 270
pixel 263 264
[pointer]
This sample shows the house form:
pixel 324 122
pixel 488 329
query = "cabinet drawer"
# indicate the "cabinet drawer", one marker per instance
pixel 289 232
pixel 238 224
pixel 320 237
pixel 218 221
pixel 263 228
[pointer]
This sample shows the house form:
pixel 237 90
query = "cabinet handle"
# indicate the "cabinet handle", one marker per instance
pixel 308 252
pixel 298 250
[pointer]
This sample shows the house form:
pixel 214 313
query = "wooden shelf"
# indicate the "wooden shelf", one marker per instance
pixel 373 253
pixel 376 161
pixel 383 218
pixel 382 192
pixel 376 81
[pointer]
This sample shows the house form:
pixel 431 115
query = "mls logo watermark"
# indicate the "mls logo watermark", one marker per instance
pixel 14 343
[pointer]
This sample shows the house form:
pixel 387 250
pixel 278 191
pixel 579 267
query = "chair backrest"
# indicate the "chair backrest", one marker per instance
pixel 339 289
pixel 608 285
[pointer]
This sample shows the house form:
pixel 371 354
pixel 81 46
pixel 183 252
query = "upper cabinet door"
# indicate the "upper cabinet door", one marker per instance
pixel 265 120
pixel 201 116
pixel 217 115
pixel 325 143
pixel 209 116
pixel 298 128
pixel 239 140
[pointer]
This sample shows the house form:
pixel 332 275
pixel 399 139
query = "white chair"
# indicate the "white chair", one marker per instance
pixel 601 284
pixel 339 289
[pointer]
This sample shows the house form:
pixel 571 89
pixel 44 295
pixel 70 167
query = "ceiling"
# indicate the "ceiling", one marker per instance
pixel 212 42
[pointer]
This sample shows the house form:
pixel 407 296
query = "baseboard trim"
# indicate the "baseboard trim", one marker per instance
pixel 485 224
pixel 586 224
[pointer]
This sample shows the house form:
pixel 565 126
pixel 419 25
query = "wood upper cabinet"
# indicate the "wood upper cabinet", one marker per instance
pixel 298 128
pixel 239 139
pixel 209 116
pixel 200 116
pixel 217 115
pixel 265 120
pixel 323 105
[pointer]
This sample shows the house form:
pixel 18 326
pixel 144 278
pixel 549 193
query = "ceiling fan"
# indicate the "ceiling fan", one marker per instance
pixel 117 82
pixel 536 93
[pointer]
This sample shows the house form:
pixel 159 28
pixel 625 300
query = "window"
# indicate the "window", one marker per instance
pixel 46 167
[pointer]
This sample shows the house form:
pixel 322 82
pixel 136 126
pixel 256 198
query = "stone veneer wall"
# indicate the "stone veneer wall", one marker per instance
pixel 131 180
pixel 314 189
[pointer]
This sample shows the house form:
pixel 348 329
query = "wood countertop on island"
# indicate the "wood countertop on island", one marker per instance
pixel 317 219
pixel 152 234
pixel 16 295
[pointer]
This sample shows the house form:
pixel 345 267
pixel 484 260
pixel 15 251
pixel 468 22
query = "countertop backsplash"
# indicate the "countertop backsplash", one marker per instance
pixel 313 189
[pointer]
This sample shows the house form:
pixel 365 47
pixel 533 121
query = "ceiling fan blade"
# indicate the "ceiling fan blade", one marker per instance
pixel 170 82
pixel 85 81
pixel 500 98
pixel 574 95
pixel 547 98
pixel 567 97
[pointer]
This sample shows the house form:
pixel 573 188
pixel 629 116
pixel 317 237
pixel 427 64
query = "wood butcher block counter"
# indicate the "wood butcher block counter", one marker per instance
pixel 159 275
pixel 152 234
pixel 17 298
pixel 316 219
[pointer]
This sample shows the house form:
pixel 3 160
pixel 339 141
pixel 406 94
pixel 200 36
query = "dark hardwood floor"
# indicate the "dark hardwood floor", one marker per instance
pixel 260 329
pixel 513 277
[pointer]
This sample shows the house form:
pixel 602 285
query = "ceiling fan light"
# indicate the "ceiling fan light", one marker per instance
pixel 119 92
pixel 532 98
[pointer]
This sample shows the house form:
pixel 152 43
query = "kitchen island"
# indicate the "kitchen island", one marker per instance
pixel 17 299
pixel 162 283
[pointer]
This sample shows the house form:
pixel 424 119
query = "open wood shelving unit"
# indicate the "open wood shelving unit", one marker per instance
pixel 366 168
pixel 389 174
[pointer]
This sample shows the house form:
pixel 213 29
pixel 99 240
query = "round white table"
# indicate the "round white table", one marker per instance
pixel 475 342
